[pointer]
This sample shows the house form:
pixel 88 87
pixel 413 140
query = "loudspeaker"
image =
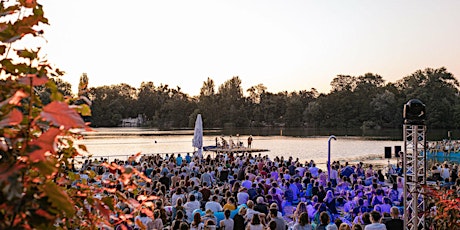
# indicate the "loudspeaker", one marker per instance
pixel 387 152
pixel 397 150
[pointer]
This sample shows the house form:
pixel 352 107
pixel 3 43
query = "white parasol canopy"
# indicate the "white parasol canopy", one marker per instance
pixel 197 141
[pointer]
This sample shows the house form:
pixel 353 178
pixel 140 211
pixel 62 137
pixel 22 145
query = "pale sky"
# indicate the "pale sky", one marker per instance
pixel 286 45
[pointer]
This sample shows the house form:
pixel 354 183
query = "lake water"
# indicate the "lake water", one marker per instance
pixel 119 142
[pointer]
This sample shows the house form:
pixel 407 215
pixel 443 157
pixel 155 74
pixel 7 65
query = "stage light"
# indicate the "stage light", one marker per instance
pixel 414 112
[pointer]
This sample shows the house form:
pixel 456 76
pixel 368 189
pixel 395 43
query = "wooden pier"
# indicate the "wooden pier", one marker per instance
pixel 236 150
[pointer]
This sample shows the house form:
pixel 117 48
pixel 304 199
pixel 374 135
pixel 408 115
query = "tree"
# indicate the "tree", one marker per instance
pixel 385 109
pixel 294 112
pixel 313 114
pixel 231 102
pixel 207 90
pixel 146 101
pixel 438 89
pixel 37 141
pixel 255 93
pixel 273 107
pixel 253 106
pixel 367 87
pixel 207 105
pixel 175 111
pixel 112 103
pixel 44 91
pixel 343 83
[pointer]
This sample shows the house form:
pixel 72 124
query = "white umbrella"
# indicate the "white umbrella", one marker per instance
pixel 197 141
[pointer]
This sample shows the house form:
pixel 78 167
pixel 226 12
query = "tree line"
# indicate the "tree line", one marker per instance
pixel 364 101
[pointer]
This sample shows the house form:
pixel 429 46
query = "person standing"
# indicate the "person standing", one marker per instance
pixel 231 144
pixel 179 160
pixel 395 222
pixel 334 175
pixel 250 141
pixel 445 172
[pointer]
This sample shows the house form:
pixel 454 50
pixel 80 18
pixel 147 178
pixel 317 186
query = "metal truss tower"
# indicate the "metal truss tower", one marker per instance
pixel 414 164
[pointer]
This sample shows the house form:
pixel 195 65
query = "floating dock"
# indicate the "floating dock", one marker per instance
pixel 233 150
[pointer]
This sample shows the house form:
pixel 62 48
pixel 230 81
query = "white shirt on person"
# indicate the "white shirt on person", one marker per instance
pixel 199 227
pixel 314 171
pixel 189 207
pixel 297 226
pixel 375 226
pixel 227 224
pixel 195 180
pixel 334 174
pixel 242 197
pixel 301 171
pixel 445 173
pixel 247 184
pixel 214 206
pixel 144 220
pixel 255 227
pixel 176 196
pixel 250 213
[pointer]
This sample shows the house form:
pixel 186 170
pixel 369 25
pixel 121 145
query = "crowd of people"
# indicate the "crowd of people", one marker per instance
pixel 255 192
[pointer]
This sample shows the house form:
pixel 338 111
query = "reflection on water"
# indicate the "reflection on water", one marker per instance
pixel 122 141
pixel 384 134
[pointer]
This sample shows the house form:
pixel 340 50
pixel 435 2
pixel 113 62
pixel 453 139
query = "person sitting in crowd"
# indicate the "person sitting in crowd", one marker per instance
pixel 303 222
pixel 239 222
pixel 254 185
pixel 395 223
pixel 196 224
pixel 375 219
pixel 227 223
pixel 255 223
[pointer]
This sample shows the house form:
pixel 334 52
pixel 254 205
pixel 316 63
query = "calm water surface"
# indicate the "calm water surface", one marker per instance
pixel 123 141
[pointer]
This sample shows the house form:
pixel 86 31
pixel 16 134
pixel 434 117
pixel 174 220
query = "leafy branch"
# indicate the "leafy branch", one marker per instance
pixel 39 188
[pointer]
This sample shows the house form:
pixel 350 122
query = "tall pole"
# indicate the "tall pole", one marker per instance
pixel 414 163
pixel 329 156
pixel 414 176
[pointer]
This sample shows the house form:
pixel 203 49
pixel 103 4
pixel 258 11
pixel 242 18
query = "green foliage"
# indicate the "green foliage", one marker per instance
pixel 37 137
pixel 438 89
pixel 354 102
pixel 445 213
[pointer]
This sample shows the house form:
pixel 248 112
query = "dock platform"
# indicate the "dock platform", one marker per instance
pixel 234 150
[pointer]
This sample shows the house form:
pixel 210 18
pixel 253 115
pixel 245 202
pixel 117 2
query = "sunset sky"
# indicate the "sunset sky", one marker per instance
pixel 286 45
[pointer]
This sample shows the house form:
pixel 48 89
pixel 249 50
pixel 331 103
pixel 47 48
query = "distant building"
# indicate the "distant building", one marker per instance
pixel 132 122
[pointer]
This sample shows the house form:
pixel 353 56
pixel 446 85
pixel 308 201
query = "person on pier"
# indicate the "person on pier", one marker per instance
pixel 250 141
